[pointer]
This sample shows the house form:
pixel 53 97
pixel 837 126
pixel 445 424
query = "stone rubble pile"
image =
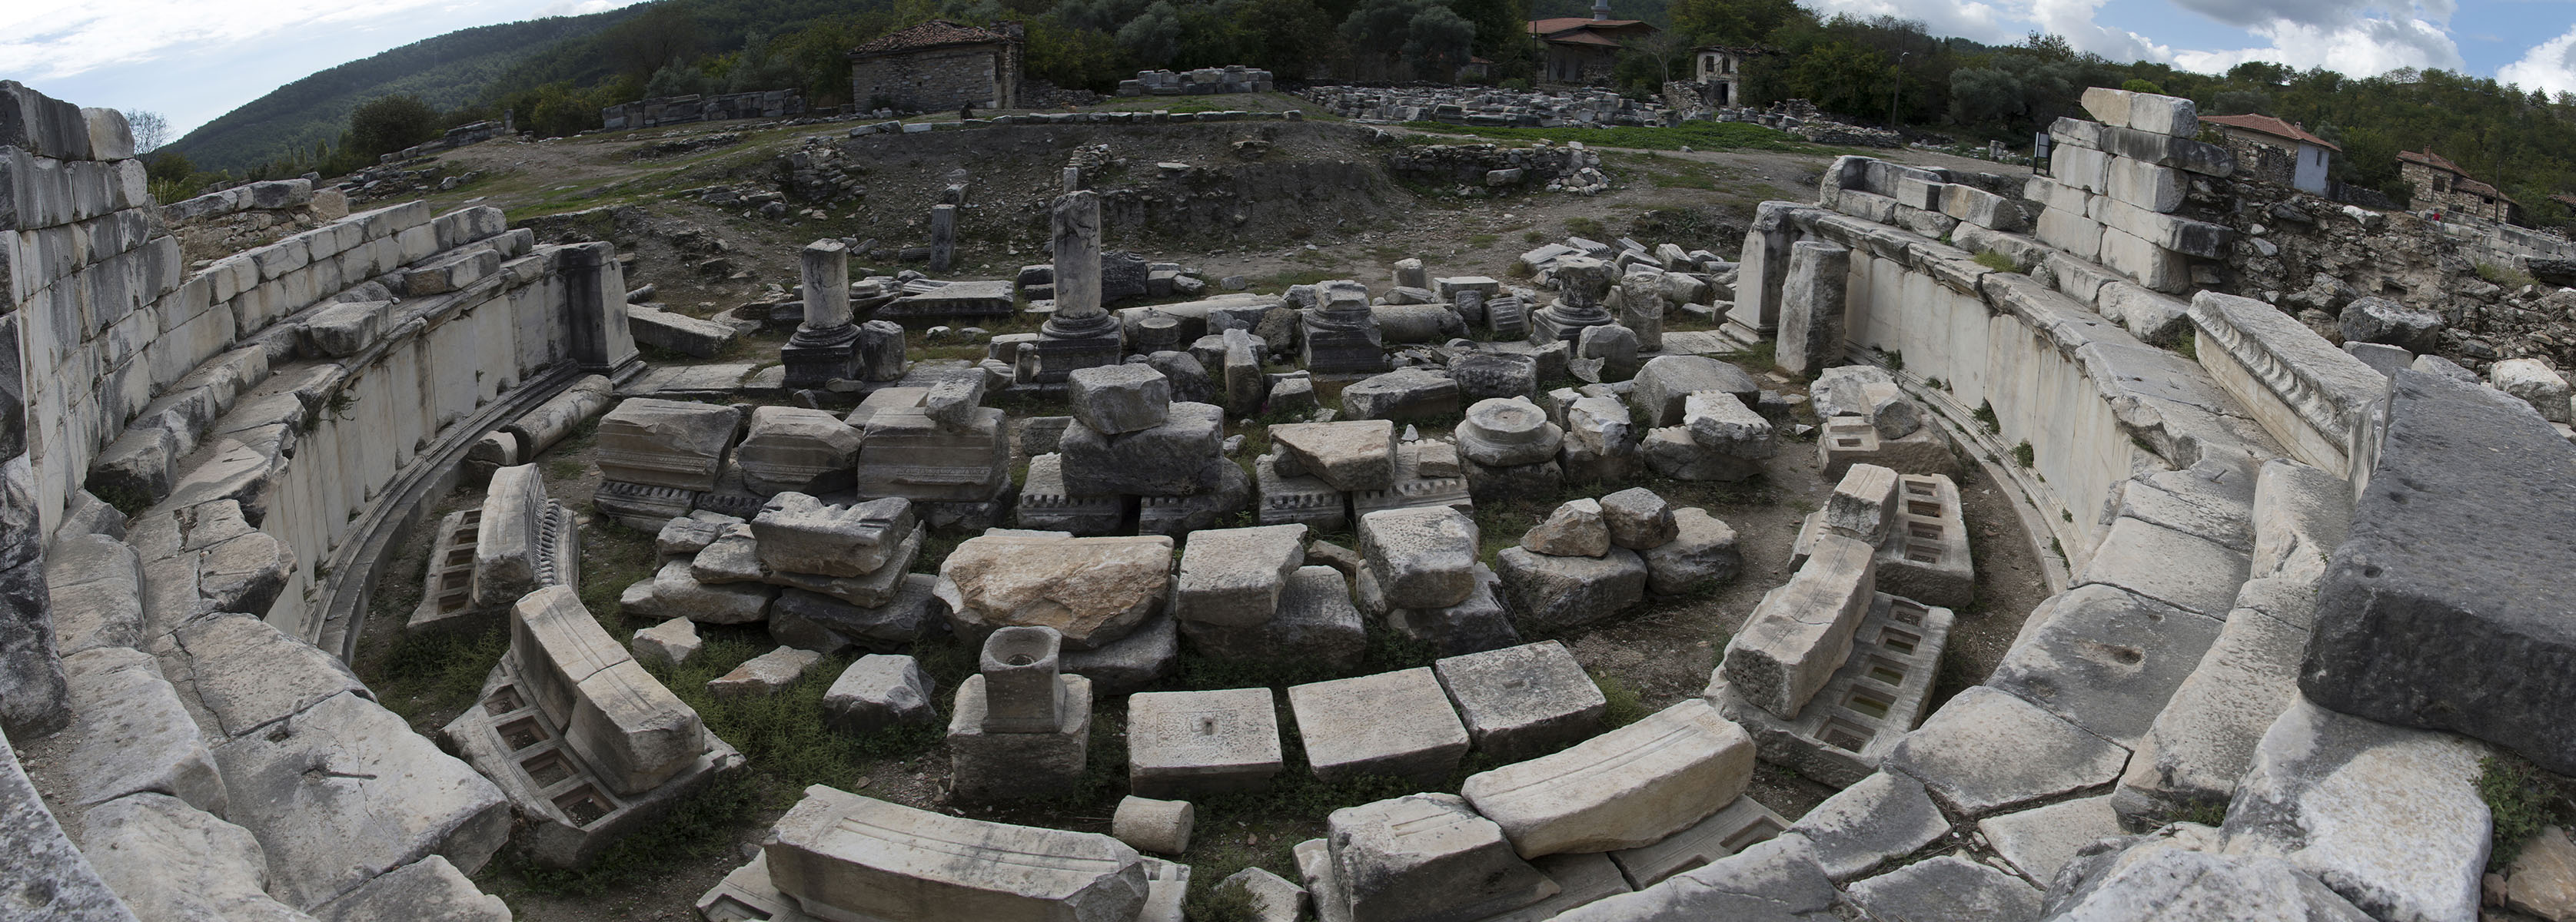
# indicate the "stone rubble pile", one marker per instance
pixel 1489 107
pixel 674 110
pixel 1476 170
pixel 1199 82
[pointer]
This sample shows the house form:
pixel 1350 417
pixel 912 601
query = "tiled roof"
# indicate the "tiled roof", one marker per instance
pixel 2265 124
pixel 2431 159
pixel 1579 37
pixel 936 33
pixel 1565 23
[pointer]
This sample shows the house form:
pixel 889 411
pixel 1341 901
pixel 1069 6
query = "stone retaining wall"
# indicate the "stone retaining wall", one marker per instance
pixel 197 449
pixel 2164 683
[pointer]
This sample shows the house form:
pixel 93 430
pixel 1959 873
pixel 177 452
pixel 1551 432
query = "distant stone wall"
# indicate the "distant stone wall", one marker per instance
pixel 676 110
pixel 936 79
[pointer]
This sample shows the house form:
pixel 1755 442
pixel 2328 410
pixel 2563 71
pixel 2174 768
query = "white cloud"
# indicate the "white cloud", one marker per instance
pixel 75 37
pixel 2074 20
pixel 1967 19
pixel 2550 66
pixel 2361 47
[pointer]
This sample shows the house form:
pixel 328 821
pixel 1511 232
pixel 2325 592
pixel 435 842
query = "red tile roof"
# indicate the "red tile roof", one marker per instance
pixel 2431 159
pixel 937 33
pixel 2265 124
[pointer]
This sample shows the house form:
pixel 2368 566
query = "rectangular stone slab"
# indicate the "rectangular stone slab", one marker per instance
pixel 1185 744
pixel 1392 723
pixel 1800 632
pixel 1233 576
pixel 2448 607
pixel 1629 787
pixel 841 855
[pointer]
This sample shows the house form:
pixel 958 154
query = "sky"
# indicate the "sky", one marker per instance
pixel 193 60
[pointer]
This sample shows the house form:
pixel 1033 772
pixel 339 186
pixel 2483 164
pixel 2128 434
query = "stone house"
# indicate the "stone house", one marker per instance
pixel 1720 72
pixel 939 65
pixel 1582 50
pixel 2441 184
pixel 2273 150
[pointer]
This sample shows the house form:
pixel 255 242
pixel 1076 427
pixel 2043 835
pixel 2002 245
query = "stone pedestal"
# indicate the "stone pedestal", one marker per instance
pixel 1341 336
pixel 987 766
pixel 826 345
pixel 1582 283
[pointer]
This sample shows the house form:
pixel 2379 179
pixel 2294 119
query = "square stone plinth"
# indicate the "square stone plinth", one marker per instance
pixel 1393 723
pixel 989 767
pixel 1188 744
pixel 1524 701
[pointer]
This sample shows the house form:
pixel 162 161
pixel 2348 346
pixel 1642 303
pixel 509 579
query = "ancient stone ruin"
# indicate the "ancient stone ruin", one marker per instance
pixel 1368 534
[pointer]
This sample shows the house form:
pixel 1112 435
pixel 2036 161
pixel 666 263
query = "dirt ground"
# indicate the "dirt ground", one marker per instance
pixel 1662 651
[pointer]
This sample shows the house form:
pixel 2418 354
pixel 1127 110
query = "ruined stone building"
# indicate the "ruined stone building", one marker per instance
pixel 2272 150
pixel 2439 183
pixel 1720 72
pixel 1583 50
pixel 938 65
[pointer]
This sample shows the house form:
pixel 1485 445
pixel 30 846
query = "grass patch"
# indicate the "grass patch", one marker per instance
pixel 1985 416
pixel 1998 261
pixel 1626 706
pixel 1285 278
pixel 438 673
pixel 1763 356
pixel 1694 135
pixel 2024 455
pixel 2504 274
pixel 2520 799
pixel 1586 227
pixel 613 557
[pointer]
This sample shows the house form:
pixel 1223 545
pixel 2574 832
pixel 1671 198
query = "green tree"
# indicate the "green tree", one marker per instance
pixel 2136 85
pixel 663 35
pixel 1497 22
pixel 1073 57
pixel 1733 22
pixel 1154 37
pixel 1842 78
pixel 1437 41
pixel 1287 37
pixel 390 123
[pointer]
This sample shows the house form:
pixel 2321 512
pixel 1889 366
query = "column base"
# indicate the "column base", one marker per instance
pixel 815 358
pixel 1051 360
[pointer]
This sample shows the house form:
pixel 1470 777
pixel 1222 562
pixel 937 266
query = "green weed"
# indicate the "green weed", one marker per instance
pixel 1626 706
pixel 2520 800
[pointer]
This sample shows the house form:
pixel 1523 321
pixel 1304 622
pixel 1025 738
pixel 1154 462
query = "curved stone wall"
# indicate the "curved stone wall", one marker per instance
pixel 206 462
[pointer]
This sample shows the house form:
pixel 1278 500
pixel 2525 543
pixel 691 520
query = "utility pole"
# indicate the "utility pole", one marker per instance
pixel 1893 91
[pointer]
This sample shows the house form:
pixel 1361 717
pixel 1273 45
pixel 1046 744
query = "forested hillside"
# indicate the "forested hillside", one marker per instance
pixel 448 72
pixel 556 74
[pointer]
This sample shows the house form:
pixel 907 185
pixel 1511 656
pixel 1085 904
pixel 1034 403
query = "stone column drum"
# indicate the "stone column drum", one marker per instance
pixel 826 344
pixel 1080 334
